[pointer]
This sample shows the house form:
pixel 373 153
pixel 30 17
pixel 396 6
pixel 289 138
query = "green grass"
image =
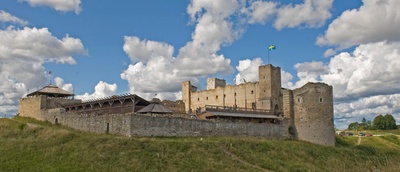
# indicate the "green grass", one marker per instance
pixel 29 145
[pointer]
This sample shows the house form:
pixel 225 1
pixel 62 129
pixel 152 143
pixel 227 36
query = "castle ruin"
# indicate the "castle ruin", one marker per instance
pixel 253 109
pixel 307 111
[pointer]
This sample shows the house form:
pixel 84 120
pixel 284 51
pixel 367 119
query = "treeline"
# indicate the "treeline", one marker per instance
pixel 386 122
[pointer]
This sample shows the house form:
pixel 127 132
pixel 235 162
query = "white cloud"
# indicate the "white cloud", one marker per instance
pixel 329 52
pixel 59 5
pixel 213 29
pixel 39 45
pixel 372 69
pixel 161 95
pixel 286 79
pixel 248 70
pixel 59 82
pixel 102 89
pixel 222 8
pixel 7 17
pixel 365 82
pixel 155 70
pixel 142 51
pixel 309 72
pixel 367 107
pixel 30 48
pixel 261 11
pixel 158 75
pixel 312 13
pixel 374 21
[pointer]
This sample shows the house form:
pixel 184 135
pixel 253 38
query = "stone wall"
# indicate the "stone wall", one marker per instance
pixel 313 109
pixel 142 125
pixel 31 107
pixel 264 94
pixel 242 95
pixel 110 123
pixel 151 126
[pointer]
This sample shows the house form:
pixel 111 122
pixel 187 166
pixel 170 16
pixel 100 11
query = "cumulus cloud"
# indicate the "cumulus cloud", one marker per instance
pixel 161 95
pixel 367 107
pixel 374 21
pixel 309 72
pixel 7 17
pixel 286 79
pixel 311 13
pixel 59 5
pixel 30 48
pixel 39 45
pixel 365 81
pixel 248 70
pixel 144 50
pixel 59 82
pixel 154 69
pixel 372 69
pixel 102 89
pixel 260 11
pixel 329 52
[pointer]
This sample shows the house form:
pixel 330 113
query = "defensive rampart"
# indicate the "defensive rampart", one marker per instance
pixel 142 125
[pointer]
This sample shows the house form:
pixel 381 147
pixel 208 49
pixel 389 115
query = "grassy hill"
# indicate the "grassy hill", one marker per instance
pixel 29 145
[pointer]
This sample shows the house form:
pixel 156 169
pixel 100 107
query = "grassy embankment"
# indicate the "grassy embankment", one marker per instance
pixel 29 145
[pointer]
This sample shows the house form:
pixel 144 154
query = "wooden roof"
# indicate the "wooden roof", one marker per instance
pixel 52 91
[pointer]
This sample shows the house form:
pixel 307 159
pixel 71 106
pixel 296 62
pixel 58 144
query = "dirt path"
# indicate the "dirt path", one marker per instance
pixel 359 140
pixel 233 156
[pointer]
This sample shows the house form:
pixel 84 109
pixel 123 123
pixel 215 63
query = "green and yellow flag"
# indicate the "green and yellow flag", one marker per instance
pixel 272 47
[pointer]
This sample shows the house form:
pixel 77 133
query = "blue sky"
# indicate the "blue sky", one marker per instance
pixel 102 48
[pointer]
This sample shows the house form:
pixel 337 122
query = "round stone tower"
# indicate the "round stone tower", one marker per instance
pixel 313 113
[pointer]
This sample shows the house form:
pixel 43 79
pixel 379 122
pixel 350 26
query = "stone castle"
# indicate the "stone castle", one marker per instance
pixel 253 109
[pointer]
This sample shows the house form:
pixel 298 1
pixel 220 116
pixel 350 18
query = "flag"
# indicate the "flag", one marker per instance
pixel 272 47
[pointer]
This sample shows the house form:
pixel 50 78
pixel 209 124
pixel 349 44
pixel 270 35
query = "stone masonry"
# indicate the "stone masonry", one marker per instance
pixel 308 109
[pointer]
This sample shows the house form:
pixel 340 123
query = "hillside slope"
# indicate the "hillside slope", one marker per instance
pixel 29 145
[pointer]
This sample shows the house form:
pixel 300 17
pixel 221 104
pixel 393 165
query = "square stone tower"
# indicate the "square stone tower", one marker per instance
pixel 187 88
pixel 213 83
pixel 269 78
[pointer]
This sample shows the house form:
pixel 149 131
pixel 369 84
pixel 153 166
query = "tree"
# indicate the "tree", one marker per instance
pixel 389 122
pixel 378 123
pixel 364 120
pixel 386 122
pixel 353 126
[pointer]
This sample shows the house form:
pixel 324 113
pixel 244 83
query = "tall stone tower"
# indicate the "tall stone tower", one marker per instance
pixel 187 88
pixel 313 113
pixel 269 87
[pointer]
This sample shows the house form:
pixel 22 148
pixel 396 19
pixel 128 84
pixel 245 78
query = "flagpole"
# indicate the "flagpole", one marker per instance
pixel 271 47
pixel 50 73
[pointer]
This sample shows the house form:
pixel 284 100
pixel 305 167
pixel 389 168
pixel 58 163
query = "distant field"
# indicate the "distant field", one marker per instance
pixel 29 145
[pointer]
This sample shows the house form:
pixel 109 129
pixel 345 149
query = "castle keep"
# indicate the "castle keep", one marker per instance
pixel 253 109
pixel 307 111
